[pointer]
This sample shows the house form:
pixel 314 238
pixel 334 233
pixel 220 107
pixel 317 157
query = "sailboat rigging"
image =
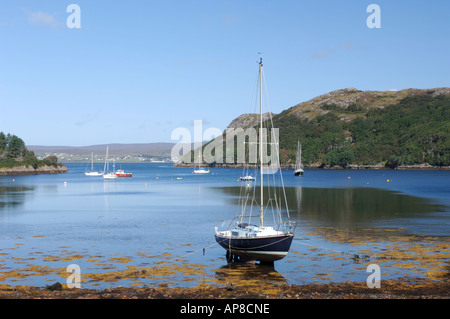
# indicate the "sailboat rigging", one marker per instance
pixel 250 242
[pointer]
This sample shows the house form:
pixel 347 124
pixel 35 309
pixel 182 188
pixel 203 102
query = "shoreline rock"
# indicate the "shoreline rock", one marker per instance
pixel 317 166
pixel 28 170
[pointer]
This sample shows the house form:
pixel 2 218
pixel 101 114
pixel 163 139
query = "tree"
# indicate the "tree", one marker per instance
pixel 2 141
pixel 16 147
pixel 339 157
pixel 50 160
pixel 31 159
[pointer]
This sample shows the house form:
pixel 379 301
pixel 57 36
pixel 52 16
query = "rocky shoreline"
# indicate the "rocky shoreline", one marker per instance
pixel 317 166
pixel 28 170
pixel 392 289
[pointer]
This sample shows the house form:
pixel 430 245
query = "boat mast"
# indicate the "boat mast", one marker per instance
pixel 261 214
pixel 299 154
pixel 106 167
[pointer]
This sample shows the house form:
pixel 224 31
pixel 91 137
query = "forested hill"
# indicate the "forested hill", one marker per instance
pixel 349 126
pixel 16 159
pixel 372 128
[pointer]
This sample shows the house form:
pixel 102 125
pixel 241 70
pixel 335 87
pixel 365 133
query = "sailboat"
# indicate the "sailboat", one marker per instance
pixel 298 164
pixel 200 170
pixel 109 175
pixel 247 178
pixel 92 172
pixel 250 242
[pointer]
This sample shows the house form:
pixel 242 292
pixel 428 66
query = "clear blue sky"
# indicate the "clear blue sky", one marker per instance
pixel 136 70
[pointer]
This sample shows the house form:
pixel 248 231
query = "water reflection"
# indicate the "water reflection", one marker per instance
pixel 347 207
pixel 354 205
pixel 243 272
pixel 12 196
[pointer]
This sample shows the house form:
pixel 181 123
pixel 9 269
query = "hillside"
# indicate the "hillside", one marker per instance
pixel 351 103
pixel 367 128
pixel 392 128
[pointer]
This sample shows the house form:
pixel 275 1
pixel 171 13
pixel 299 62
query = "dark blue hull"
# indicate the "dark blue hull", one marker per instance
pixel 266 249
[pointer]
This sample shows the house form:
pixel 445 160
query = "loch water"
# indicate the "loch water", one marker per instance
pixel 157 227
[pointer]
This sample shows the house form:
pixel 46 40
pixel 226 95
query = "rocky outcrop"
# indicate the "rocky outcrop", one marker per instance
pixel 248 120
pixel 363 100
pixel 29 170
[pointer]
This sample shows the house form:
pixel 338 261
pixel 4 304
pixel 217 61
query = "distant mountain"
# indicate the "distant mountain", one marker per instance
pixel 139 152
pixel 162 149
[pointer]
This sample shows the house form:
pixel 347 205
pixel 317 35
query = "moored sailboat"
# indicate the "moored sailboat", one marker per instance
pixel 200 170
pixel 108 174
pixel 251 242
pixel 248 178
pixel 298 164
pixel 92 172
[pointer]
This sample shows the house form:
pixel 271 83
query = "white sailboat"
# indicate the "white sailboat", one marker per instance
pixel 108 174
pixel 298 163
pixel 251 242
pixel 247 178
pixel 200 170
pixel 92 172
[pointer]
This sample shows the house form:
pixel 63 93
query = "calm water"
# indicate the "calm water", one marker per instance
pixel 163 218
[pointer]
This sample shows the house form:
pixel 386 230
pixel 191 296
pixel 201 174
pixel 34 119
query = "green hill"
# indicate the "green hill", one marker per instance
pixel 352 127
pixel 16 159
pixel 367 128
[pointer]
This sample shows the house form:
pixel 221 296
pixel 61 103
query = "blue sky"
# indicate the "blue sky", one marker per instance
pixel 137 70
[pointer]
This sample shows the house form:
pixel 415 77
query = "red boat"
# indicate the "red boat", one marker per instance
pixel 121 173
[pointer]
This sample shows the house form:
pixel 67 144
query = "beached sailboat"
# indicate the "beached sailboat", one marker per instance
pixel 92 172
pixel 250 242
pixel 298 164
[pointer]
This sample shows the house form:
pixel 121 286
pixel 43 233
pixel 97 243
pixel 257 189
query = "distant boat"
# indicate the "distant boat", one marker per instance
pixel 250 242
pixel 247 178
pixel 200 170
pixel 92 172
pixel 298 164
pixel 121 173
pixel 109 175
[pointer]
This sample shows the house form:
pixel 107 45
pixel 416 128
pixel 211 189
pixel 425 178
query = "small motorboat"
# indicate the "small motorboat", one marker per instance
pixel 121 173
